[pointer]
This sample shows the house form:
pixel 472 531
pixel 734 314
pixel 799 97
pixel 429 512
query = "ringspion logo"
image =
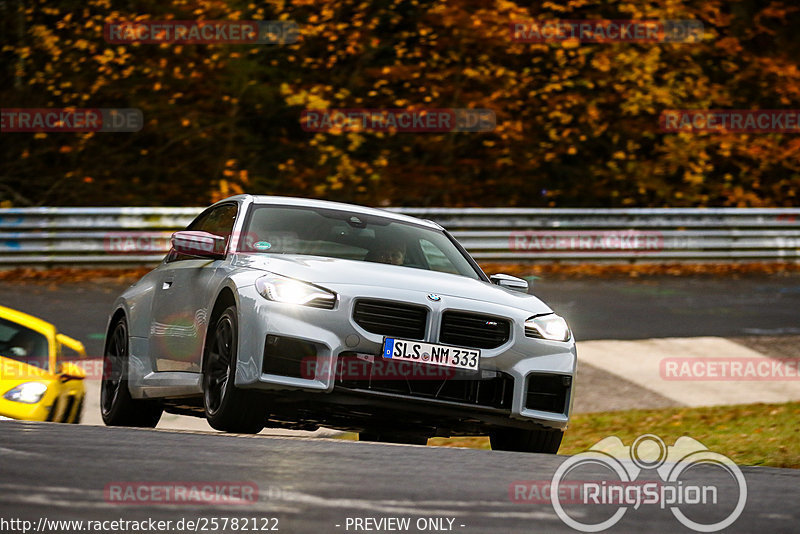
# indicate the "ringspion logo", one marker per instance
pixel 570 492
pixel 648 473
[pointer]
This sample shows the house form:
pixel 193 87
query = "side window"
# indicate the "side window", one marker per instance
pixel 218 221
pixel 24 345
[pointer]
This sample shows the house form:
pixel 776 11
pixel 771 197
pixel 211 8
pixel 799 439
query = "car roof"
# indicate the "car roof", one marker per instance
pixel 27 320
pixel 327 204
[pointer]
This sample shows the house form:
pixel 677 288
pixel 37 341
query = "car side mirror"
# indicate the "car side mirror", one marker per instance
pixel 510 282
pixel 200 244
pixel 73 344
pixel 71 370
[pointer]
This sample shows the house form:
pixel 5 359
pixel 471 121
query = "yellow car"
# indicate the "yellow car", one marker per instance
pixel 36 383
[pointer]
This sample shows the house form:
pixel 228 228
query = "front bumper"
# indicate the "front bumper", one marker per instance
pixel 531 368
pixel 27 412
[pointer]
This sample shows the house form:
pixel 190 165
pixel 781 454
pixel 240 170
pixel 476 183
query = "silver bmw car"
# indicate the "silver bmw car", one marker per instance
pixel 294 313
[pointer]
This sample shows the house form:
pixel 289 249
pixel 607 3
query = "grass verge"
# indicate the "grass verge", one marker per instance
pixel 749 434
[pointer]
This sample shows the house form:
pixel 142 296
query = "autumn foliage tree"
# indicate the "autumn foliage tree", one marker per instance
pixel 577 123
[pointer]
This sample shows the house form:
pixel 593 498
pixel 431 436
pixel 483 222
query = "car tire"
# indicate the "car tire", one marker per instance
pixel 407 439
pixel 117 407
pixel 227 407
pixel 78 413
pixel 521 440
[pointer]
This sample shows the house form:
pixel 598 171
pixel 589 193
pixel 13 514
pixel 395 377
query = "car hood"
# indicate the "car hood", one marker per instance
pixel 333 271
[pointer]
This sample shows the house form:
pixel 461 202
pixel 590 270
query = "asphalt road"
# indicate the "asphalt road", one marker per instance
pixel 55 471
pixel 313 485
pixel 596 309
pixel 653 307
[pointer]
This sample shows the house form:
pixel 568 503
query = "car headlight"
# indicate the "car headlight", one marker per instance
pixel 551 326
pixel 29 393
pixel 290 291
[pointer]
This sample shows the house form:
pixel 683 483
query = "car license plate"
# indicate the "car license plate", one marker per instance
pixel 431 353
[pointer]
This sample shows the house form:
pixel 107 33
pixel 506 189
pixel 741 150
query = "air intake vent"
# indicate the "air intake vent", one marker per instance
pixel 391 318
pixel 288 356
pixel 473 330
pixel 548 393
pixel 491 392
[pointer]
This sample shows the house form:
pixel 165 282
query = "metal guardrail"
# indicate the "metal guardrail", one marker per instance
pixel 140 236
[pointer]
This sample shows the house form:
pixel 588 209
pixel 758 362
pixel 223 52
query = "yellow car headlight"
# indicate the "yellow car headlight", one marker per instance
pixel 28 393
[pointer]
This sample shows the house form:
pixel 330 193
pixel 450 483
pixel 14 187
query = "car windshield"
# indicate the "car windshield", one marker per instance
pixel 20 343
pixel 352 236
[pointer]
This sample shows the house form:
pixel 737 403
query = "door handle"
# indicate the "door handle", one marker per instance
pixel 167 284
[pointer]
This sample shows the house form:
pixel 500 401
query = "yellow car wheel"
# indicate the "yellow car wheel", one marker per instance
pixel 78 413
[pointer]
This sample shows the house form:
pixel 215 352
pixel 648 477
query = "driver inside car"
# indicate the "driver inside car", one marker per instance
pixel 391 253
